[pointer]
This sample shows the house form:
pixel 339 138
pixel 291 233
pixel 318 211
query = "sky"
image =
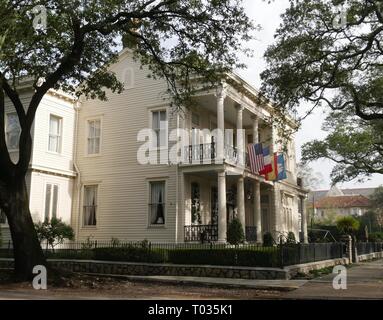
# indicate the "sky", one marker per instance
pixel 268 16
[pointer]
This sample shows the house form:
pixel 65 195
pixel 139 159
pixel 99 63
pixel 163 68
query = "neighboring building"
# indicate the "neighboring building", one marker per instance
pixel 340 202
pixel 98 182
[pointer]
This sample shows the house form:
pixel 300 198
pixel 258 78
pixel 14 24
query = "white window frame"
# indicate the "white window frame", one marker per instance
pixel 87 122
pixel 97 186
pixel 6 131
pixel 58 136
pixel 53 185
pixel 154 138
pixel 164 201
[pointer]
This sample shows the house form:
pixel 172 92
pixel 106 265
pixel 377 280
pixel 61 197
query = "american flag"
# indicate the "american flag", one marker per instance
pixel 257 163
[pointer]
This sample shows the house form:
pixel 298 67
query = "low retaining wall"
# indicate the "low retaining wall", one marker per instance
pixel 370 256
pixel 307 267
pixel 148 269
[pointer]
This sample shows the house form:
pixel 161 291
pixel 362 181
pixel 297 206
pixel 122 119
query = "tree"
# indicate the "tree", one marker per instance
pixel 347 225
pixel 235 234
pixel 377 205
pixel 311 180
pixel 69 44
pixel 354 144
pixel 328 53
pixel 53 232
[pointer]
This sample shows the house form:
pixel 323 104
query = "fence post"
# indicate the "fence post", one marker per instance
pixel 95 243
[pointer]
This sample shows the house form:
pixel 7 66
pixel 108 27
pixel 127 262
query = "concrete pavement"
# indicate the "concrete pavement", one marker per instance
pixel 364 281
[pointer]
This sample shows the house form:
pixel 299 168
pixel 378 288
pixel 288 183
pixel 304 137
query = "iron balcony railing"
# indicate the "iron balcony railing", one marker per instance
pixel 207 153
pixel 201 233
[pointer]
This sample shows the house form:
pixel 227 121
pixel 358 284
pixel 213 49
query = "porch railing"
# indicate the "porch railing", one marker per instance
pixel 207 153
pixel 201 233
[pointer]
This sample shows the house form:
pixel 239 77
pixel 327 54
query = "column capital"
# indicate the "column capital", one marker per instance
pixel 222 173
pixel 239 107
pixel 221 91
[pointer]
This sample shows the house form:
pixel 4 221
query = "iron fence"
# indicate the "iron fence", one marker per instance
pixel 201 233
pixel 369 247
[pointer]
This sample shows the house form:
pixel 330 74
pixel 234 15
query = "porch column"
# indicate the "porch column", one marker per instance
pixel 241 203
pixel 222 212
pixel 240 137
pixel 257 211
pixel 255 129
pixel 221 95
pixel 304 220
pixel 257 188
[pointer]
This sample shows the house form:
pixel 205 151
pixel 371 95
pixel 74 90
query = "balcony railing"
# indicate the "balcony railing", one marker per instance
pixel 201 233
pixel 207 153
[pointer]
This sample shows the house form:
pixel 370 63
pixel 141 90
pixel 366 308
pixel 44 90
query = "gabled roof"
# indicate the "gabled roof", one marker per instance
pixel 343 202
pixel 317 195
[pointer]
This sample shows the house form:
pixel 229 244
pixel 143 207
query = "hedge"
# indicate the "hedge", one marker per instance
pixel 225 257
pixel 128 254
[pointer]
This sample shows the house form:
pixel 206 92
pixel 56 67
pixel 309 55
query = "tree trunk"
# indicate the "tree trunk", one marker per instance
pixel 26 246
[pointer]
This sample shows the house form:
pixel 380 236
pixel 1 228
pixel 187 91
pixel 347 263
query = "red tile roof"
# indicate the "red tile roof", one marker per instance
pixel 343 202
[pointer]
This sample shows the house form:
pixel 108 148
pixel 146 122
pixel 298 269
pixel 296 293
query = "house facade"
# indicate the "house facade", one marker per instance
pixel 132 168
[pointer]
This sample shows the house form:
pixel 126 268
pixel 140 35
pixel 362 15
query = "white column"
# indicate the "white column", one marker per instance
pixel 220 143
pixel 304 220
pixel 222 212
pixel 257 211
pixel 241 202
pixel 257 188
pixel 240 136
pixel 255 129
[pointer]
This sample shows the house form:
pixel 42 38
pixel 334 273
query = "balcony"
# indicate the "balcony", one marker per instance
pixel 207 154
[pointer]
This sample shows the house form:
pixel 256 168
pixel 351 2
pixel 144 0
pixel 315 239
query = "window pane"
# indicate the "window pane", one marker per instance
pixel 48 200
pixel 13 131
pixel 156 121
pixel 94 134
pixel 90 205
pixel 157 205
pixel 54 127
pixel 54 201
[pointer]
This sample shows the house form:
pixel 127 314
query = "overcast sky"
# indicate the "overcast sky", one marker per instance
pixel 268 16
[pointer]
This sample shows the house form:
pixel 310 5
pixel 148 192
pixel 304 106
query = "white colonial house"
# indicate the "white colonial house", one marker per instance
pixel 86 166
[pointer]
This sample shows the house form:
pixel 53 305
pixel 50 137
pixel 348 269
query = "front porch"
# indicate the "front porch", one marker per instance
pixel 213 198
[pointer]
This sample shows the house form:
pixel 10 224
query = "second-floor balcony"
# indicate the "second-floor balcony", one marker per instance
pixel 207 154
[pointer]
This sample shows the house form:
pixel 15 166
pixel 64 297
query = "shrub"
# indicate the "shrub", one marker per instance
pixel 54 232
pixel 268 240
pixel 347 225
pixel 225 257
pixel 291 238
pixel 83 254
pixel 375 237
pixel 128 254
pixel 235 234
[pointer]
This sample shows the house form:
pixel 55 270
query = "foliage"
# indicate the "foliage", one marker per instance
pixel 328 52
pixel 225 257
pixel 291 238
pixel 375 237
pixel 311 180
pixel 348 225
pixel 355 145
pixel 324 233
pixel 88 244
pixel 129 254
pixel 268 240
pixel 54 232
pixel 235 234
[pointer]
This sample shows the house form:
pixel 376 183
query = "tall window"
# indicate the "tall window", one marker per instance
pixel 13 131
pixel 196 203
pixel 159 127
pixel 94 136
pixel 157 203
pixel 3 218
pixel 90 205
pixel 288 211
pixel 51 201
pixel 55 134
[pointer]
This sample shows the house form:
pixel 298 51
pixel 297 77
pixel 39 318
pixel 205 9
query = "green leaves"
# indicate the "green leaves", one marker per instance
pixel 54 232
pixel 328 53
pixel 356 146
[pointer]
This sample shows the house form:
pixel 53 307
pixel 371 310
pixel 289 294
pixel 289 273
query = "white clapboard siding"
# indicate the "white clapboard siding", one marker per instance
pixel 123 183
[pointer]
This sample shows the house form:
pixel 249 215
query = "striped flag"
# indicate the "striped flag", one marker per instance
pixel 256 157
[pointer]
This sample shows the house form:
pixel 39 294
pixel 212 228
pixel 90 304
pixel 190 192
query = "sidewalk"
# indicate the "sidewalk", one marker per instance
pixel 273 285
pixel 364 281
